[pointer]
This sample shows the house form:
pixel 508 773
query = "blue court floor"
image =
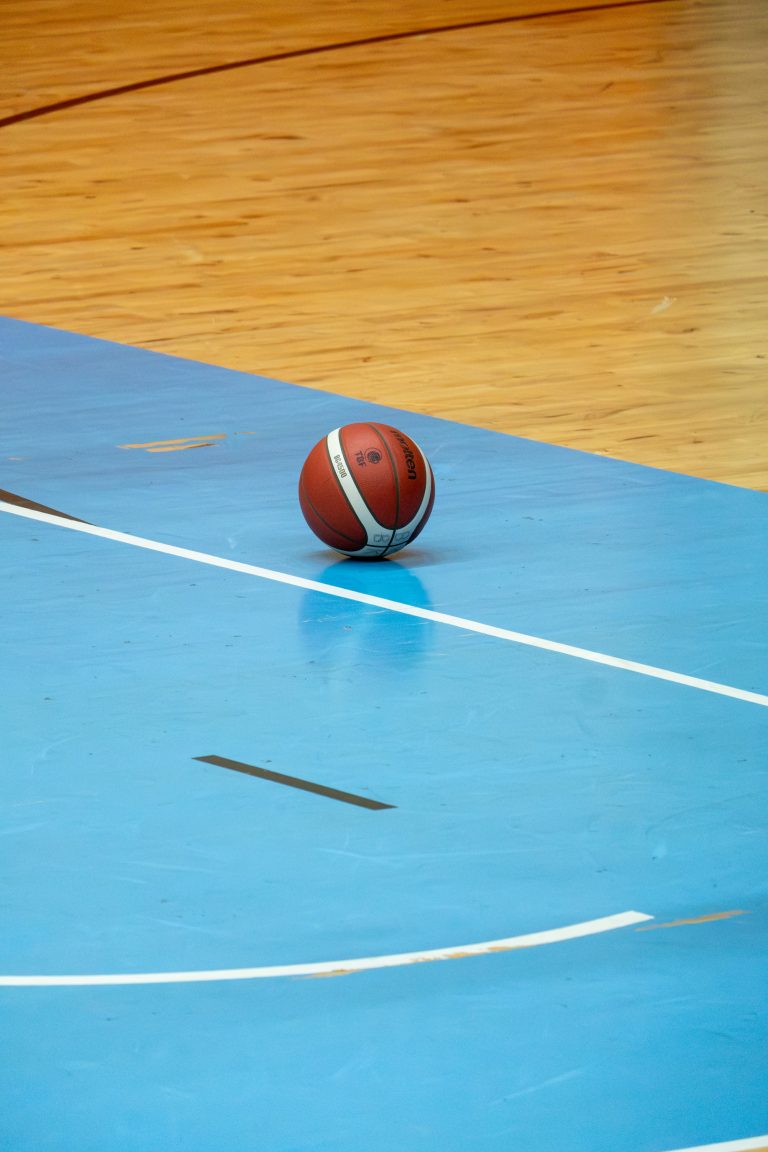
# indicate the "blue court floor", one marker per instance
pixel 558 697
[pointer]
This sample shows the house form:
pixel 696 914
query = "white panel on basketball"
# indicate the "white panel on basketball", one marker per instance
pixel 379 537
pixel 403 535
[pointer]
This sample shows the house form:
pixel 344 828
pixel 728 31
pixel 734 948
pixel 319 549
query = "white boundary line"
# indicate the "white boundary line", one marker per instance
pixel 340 967
pixel 754 1142
pixel 392 606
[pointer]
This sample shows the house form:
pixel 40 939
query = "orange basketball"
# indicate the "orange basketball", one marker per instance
pixel 366 490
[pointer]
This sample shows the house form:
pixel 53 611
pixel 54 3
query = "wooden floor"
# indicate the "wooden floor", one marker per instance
pixel 552 224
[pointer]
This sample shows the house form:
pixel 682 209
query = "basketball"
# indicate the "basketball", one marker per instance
pixel 366 490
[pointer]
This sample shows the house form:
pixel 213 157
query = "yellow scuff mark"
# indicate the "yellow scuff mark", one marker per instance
pixel 183 447
pixel 460 954
pixel 696 920
pixel 327 975
pixel 190 440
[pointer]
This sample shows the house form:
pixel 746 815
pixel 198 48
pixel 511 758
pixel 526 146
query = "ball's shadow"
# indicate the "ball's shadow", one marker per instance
pixel 347 636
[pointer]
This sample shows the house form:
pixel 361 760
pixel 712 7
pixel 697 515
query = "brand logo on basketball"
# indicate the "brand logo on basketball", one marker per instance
pixel 340 466
pixel 410 460
pixel 369 456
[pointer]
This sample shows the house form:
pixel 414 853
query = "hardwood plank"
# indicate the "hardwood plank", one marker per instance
pixel 556 228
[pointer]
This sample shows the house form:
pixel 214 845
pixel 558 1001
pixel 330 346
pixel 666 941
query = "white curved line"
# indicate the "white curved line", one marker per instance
pixel 338 967
pixel 392 605
pixel 752 1144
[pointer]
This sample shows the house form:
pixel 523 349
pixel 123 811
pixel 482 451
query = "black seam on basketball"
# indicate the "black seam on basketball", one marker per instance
pixel 430 477
pixel 360 493
pixel 430 503
pixel 329 526
pixel 397 489
pixel 393 465
pixel 337 478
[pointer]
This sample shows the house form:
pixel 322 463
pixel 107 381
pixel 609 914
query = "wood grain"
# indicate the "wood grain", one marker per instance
pixel 554 227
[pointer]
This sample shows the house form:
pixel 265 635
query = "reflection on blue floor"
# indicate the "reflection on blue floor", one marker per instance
pixel 529 790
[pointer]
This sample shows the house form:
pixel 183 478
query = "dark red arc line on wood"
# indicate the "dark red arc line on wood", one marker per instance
pixel 298 53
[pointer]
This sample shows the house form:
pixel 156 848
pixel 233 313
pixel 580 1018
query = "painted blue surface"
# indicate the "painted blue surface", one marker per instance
pixel 531 790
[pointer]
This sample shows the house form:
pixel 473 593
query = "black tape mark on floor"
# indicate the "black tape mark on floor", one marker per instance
pixel 293 782
pixel 23 502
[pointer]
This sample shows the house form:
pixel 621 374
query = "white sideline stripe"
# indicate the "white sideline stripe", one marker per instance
pixel 754 1142
pixel 393 606
pixel 340 967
